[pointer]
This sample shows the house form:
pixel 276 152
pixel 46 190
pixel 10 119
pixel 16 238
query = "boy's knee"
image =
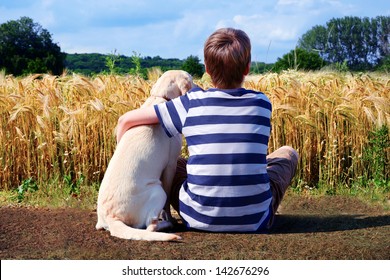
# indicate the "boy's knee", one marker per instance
pixel 293 154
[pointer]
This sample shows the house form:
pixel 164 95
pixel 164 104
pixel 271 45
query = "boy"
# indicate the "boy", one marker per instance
pixel 231 185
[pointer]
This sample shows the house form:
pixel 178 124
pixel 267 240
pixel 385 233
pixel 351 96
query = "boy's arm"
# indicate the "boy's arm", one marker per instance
pixel 145 115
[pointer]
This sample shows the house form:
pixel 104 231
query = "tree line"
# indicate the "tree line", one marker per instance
pixel 95 63
pixel 349 43
pixel 361 43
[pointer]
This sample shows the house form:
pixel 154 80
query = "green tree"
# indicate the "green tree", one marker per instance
pixel 193 66
pixel 25 47
pixel 384 65
pixel 299 59
pixel 315 40
pixel 383 34
pixel 361 42
pixel 260 67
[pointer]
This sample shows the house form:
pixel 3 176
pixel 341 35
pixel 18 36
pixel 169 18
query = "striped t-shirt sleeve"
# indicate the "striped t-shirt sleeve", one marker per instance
pixel 172 115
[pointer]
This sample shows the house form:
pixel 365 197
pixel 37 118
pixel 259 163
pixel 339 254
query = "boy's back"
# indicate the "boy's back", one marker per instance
pixel 227 132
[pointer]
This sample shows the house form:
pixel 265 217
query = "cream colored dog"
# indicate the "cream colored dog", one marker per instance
pixel 133 193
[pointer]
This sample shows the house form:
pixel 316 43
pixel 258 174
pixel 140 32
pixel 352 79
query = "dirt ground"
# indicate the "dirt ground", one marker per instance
pixel 306 228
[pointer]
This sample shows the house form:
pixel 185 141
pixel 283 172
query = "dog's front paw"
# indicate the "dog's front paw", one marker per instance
pixel 167 216
pixel 159 225
pixel 164 226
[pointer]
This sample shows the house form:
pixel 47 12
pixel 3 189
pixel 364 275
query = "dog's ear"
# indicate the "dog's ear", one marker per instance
pixel 185 84
pixel 180 86
pixel 172 91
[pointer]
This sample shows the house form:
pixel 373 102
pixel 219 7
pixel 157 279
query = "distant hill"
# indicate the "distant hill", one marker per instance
pixel 94 63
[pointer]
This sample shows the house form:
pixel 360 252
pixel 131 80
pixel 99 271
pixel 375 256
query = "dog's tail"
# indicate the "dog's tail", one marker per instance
pixel 121 230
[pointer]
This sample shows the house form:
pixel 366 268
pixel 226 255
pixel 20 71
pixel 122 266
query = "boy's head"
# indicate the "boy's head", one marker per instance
pixel 227 56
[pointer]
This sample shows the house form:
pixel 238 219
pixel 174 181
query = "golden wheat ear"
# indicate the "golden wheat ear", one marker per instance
pixel 58 126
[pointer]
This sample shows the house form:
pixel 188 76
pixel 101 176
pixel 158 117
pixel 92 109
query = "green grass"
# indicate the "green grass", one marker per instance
pixel 48 196
pixel 61 196
pixel 371 194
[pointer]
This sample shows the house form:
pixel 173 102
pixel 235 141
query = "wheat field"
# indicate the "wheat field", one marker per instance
pixel 58 126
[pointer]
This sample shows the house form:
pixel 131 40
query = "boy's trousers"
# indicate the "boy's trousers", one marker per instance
pixel 281 167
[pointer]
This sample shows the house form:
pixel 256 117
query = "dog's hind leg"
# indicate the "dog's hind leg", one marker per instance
pixel 101 222
pixel 156 200
pixel 121 230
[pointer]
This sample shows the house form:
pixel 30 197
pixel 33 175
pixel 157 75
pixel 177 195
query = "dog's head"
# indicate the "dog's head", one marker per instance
pixel 172 84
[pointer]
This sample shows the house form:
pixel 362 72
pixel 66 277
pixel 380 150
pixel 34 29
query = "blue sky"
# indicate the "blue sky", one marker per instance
pixel 178 28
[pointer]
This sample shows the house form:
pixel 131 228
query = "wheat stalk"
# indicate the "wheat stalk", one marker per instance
pixel 55 126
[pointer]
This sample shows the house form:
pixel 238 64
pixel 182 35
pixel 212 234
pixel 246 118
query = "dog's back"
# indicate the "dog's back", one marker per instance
pixel 130 180
pixel 131 195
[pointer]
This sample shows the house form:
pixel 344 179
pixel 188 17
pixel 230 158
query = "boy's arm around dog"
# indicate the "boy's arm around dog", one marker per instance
pixel 141 116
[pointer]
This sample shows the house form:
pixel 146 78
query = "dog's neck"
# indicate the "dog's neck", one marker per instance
pixel 162 98
pixel 152 100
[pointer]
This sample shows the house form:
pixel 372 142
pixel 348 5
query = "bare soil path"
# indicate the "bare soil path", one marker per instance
pixel 307 228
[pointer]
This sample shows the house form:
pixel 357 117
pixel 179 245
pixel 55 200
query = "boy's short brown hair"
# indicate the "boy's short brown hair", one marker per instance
pixel 227 53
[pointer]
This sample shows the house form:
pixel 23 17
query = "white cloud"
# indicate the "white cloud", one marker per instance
pixel 178 28
pixel 300 3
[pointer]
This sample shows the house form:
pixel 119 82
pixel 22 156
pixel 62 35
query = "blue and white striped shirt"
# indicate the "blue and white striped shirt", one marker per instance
pixel 227 134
